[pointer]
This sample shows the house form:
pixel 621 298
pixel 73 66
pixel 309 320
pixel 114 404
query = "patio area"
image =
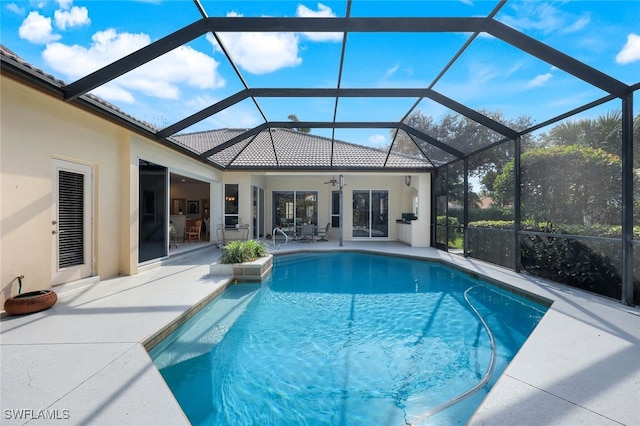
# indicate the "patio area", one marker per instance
pixel 83 361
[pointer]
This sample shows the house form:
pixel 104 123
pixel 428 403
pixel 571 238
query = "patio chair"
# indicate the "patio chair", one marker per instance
pixel 306 232
pixel 193 232
pixel 324 233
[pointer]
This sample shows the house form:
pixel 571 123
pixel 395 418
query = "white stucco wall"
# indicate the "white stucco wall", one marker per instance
pixel 36 129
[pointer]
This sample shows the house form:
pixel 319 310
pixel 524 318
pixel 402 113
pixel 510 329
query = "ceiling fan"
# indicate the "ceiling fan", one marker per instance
pixel 333 181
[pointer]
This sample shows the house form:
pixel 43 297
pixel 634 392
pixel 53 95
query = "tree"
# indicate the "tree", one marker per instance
pixel 604 132
pixel 466 135
pixel 570 184
pixel 294 118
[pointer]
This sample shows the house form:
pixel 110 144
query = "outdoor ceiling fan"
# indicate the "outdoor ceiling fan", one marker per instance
pixel 333 181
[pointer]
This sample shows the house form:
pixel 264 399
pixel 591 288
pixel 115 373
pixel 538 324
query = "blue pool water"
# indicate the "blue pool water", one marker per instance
pixel 346 339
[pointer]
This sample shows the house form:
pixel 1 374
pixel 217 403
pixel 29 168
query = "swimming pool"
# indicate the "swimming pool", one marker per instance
pixel 346 338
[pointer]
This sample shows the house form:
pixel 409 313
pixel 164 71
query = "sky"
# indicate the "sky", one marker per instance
pixel 69 39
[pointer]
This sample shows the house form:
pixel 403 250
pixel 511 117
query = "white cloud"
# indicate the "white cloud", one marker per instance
pixel 260 53
pixel 378 140
pixel 37 29
pixel 539 80
pixel 160 78
pixel 106 47
pixel 12 7
pixel 391 71
pixel 544 17
pixel 236 117
pixel 114 94
pixel 322 12
pixel 582 22
pixel 64 4
pixel 631 50
pixel 77 16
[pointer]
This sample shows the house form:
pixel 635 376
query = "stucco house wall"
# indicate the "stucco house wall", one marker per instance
pixel 399 196
pixel 38 129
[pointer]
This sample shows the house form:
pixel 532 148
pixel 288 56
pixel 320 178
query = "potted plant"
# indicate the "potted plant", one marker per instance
pixel 244 261
pixel 33 301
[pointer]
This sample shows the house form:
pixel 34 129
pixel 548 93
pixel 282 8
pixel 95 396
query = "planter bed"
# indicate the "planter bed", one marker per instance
pixel 254 271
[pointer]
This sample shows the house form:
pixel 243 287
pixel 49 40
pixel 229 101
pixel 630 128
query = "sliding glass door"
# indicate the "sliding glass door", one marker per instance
pixel 293 208
pixel 370 214
pixel 258 212
pixel 153 224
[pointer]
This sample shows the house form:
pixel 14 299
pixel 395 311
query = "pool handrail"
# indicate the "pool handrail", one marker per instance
pixel 273 237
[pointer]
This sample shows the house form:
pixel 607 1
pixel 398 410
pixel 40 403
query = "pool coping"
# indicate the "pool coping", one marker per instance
pixel 578 367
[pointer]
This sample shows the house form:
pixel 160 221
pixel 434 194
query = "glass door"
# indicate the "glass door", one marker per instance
pixel 291 209
pixel 360 214
pixel 258 212
pixel 153 224
pixel 307 207
pixel 370 214
pixel 283 209
pixel 379 214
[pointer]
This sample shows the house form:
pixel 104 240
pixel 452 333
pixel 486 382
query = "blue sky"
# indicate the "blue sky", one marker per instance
pixel 70 39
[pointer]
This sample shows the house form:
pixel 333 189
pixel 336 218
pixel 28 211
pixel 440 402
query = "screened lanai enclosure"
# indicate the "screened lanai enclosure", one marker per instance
pixel 547 190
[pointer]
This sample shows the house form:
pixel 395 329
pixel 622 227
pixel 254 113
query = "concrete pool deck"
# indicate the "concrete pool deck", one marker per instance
pixel 83 362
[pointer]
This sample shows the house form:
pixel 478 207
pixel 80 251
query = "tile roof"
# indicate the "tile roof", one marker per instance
pixel 9 56
pixel 286 148
pixel 270 149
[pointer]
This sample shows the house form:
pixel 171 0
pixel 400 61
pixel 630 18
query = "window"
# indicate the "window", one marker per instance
pixel 231 216
pixel 370 214
pixel 335 209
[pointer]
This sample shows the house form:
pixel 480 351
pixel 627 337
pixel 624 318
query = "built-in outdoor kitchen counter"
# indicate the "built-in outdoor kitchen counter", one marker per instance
pixel 405 231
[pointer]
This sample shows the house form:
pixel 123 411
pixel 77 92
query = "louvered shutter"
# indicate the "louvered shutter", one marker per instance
pixel 70 219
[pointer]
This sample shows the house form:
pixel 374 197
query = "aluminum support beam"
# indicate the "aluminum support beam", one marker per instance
pixel 421 135
pixel 465 210
pixel 356 25
pixel 203 114
pixel 235 140
pixel 627 199
pixel 472 114
pixel 556 58
pixel 136 59
pixel 517 202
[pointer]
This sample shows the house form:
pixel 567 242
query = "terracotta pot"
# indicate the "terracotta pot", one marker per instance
pixel 33 301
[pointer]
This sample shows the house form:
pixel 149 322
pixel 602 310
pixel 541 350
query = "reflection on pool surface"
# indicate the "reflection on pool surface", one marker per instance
pixel 346 338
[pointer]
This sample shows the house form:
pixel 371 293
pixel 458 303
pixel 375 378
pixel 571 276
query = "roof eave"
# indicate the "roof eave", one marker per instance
pixel 21 72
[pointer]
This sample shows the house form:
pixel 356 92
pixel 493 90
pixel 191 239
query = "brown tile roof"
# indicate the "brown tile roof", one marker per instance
pixel 286 148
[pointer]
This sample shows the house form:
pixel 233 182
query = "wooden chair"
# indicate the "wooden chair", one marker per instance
pixel 192 233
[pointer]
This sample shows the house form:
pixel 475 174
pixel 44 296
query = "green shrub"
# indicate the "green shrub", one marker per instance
pixel 490 213
pixel 589 264
pixel 454 228
pixel 243 251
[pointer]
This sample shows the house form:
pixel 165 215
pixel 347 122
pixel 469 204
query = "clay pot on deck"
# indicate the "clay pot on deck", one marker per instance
pixel 33 301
